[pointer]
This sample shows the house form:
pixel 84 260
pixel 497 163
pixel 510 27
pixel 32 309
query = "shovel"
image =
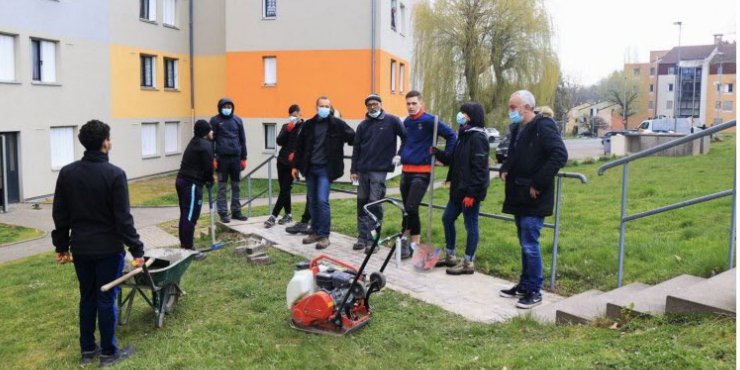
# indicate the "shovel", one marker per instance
pixel 214 245
pixel 427 255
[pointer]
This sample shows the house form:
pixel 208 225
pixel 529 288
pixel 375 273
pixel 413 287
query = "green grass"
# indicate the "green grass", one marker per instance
pixel 234 317
pixel 15 234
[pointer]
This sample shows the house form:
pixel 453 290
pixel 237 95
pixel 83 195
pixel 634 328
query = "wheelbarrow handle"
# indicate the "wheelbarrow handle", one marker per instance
pixel 125 277
pixel 366 209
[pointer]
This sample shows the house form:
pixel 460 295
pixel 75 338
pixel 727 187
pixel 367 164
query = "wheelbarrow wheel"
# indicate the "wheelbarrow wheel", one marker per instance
pixel 160 319
pixel 170 298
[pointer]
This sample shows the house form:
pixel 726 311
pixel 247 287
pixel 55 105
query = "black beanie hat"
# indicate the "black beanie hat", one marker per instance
pixel 373 97
pixel 202 128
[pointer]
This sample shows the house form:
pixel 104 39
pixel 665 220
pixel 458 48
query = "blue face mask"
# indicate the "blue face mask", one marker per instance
pixel 293 119
pixel 324 112
pixel 515 117
pixel 226 111
pixel 461 120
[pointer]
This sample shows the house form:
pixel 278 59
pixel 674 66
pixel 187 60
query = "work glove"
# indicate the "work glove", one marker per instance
pixel 137 262
pixel 64 257
pixel 243 164
pixel 215 164
pixel 433 150
pixel 468 202
pixel 290 126
pixel 291 156
pixel 396 161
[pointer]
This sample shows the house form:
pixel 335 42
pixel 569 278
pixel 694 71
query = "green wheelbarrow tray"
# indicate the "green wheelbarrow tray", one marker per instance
pixel 158 284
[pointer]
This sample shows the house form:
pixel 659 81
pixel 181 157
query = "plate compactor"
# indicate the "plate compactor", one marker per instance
pixel 329 296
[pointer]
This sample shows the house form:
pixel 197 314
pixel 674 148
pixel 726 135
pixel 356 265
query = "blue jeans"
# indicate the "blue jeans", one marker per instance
pixel 470 216
pixel 92 273
pixel 528 229
pixel 318 185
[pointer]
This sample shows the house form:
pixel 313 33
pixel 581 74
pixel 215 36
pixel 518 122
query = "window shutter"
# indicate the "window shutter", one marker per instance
pixel 7 58
pixel 171 137
pixel 62 146
pixel 270 71
pixel 148 139
pixel 48 61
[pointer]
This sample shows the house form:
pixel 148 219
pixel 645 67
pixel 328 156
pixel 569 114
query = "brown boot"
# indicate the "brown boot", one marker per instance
pixel 323 242
pixel 464 268
pixel 449 261
pixel 310 239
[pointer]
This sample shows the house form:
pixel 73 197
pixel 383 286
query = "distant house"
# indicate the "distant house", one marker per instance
pixel 579 118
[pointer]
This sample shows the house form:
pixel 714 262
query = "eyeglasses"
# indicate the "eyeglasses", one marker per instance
pixel 372 104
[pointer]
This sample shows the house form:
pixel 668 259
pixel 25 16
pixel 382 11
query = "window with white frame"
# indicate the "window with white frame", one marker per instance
pixel 269 9
pixel 171 137
pixel 44 59
pixel 402 19
pixel 393 75
pixel 169 12
pixel 727 106
pixel 669 104
pixel 148 10
pixel 148 139
pixel 62 140
pixel 670 87
pixel 7 57
pixel 717 104
pixel 401 77
pixel 394 12
pixel 148 70
pixel 170 74
pixel 270 65
pixel 651 88
pixel 269 135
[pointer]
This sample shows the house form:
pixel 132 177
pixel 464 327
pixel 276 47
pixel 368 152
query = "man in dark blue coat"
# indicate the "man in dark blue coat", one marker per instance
pixel 231 157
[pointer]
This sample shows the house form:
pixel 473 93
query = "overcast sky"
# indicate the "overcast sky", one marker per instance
pixel 595 37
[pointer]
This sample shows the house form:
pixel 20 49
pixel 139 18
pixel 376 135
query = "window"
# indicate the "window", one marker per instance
pixel 394 6
pixel 670 87
pixel 170 74
pixel 728 88
pixel 171 137
pixel 62 146
pixel 44 57
pixel 401 76
pixel 270 65
pixel 148 139
pixel 269 9
pixel 652 71
pixel 727 106
pixel 169 16
pixel 669 104
pixel 393 76
pixel 148 10
pixel 672 70
pixel 402 19
pixel 148 72
pixel 7 58
pixel 717 104
pixel 269 135
pixel 651 105
pixel 636 71
pixel 651 88
pixel 719 87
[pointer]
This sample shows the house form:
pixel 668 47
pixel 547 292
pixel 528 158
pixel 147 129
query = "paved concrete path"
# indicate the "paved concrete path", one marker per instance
pixel 474 297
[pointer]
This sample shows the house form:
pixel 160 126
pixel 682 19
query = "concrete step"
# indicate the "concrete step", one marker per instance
pixel 714 295
pixel 595 307
pixel 546 313
pixel 650 301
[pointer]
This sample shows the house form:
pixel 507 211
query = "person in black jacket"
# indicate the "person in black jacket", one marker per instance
pixel 196 170
pixel 536 154
pixel 373 153
pixel 92 220
pixel 320 158
pixel 469 179
pixel 231 157
pixel 286 139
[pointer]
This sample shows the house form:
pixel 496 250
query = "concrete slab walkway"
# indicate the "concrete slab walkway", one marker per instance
pixel 474 297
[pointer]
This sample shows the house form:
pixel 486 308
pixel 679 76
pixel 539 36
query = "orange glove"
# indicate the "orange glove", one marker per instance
pixel 215 164
pixel 290 126
pixel 64 257
pixel 468 202
pixel 291 156
pixel 294 173
pixel 137 262
pixel 244 164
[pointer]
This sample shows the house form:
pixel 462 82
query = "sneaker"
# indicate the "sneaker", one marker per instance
pixel 529 300
pixel 286 219
pixel 300 227
pixel 270 222
pixel 200 256
pixel 464 268
pixel 406 251
pixel 225 218
pixel 360 245
pixel 515 291
pixel 88 357
pixel 310 239
pixel 449 261
pixel 122 354
pixel 323 242
pixel 238 216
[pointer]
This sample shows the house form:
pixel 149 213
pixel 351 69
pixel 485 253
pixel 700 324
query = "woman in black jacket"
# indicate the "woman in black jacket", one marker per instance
pixel 469 178
pixel 287 140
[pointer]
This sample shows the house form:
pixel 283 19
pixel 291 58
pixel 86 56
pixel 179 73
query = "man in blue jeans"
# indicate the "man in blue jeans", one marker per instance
pixel 536 154
pixel 319 157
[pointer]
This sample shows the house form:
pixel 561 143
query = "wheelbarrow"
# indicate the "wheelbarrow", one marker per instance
pixel 158 282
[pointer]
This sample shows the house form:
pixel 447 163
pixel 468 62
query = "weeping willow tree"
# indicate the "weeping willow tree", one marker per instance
pixel 483 50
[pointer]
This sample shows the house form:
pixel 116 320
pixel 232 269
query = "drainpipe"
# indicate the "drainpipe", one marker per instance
pixel 372 47
pixel 192 62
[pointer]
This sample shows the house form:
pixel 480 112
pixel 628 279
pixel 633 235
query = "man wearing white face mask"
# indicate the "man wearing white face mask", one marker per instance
pixel 230 157
pixel 374 154
pixel 287 140
pixel 319 157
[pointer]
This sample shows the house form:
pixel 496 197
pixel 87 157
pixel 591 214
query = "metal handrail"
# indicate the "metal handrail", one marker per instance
pixel 248 176
pixel 624 218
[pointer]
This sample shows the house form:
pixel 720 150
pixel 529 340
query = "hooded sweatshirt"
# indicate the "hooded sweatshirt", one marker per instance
pixel 228 133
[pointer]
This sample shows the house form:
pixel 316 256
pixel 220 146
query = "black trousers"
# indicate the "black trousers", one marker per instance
pixel 413 188
pixel 285 178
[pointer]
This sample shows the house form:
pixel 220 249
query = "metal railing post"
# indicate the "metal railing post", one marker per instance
pixel 269 186
pixel 249 195
pixel 622 223
pixel 554 264
pixel 731 257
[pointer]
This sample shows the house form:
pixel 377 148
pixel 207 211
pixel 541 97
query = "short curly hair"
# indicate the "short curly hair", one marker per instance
pixel 93 133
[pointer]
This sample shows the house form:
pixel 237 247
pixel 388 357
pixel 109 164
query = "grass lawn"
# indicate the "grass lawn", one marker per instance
pixel 15 234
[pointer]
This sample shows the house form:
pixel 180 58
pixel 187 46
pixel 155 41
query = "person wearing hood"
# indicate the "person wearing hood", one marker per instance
pixel 286 139
pixel 196 170
pixel 231 157
pixel 374 154
pixel 469 179
pixel 536 154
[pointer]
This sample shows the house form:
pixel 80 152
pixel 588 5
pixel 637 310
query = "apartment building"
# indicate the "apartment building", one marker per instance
pixel 149 68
